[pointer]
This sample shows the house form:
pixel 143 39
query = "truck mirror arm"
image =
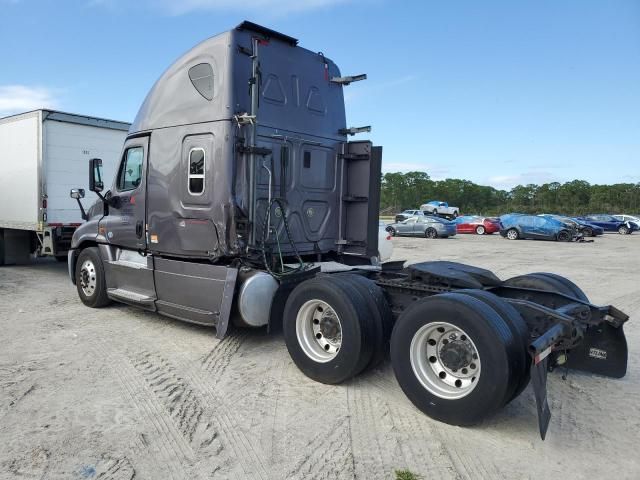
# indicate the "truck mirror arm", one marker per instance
pixel 83 213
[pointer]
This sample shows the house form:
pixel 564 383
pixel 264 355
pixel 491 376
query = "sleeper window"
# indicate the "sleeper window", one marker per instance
pixel 196 171
pixel 131 170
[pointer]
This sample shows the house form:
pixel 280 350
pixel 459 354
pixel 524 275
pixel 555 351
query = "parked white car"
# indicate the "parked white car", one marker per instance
pixel 385 245
pixel 440 208
pixel 628 218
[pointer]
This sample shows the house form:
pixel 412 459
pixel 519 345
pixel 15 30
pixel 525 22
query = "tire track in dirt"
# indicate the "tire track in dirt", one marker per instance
pixel 218 359
pixel 179 399
pixel 328 456
pixel 227 421
pixel 367 425
pixel 116 469
pixel 168 447
pixel 437 443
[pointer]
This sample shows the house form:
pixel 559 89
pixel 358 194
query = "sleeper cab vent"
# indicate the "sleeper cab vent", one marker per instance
pixel 201 77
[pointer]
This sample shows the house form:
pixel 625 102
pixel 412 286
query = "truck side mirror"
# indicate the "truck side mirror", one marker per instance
pixel 77 193
pixel 95 175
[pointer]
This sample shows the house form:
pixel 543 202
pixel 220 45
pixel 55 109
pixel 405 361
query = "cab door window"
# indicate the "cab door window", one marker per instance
pixel 130 174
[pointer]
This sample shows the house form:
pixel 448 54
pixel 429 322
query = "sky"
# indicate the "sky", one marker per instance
pixel 497 92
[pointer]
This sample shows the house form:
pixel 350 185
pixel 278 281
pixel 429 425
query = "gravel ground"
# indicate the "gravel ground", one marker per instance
pixel 118 393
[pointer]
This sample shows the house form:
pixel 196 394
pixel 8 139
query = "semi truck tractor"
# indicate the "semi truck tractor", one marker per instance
pixel 43 154
pixel 240 199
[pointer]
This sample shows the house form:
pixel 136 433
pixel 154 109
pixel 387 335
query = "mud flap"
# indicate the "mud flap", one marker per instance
pixel 603 351
pixel 539 381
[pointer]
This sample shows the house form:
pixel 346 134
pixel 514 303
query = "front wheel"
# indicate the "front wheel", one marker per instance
pixel 513 234
pixel 90 281
pixel 623 230
pixel 480 230
pixel 454 357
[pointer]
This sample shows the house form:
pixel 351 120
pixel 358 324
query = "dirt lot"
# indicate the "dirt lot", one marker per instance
pixel 117 393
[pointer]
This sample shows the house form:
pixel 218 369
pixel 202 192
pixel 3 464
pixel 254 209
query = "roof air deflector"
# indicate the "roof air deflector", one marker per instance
pixel 267 32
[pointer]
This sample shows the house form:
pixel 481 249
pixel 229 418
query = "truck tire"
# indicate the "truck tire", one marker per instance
pixel 519 330
pixel 453 356
pixel 328 329
pixel 455 214
pixel 380 312
pixel 435 211
pixel 90 281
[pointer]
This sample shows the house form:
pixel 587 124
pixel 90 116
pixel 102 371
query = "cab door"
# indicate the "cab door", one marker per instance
pixel 125 224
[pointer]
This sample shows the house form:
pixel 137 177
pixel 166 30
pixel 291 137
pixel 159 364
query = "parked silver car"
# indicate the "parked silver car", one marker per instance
pixel 423 226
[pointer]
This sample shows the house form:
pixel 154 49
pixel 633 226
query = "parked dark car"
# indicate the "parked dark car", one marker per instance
pixel 609 223
pixel 586 229
pixel 423 226
pixel 516 226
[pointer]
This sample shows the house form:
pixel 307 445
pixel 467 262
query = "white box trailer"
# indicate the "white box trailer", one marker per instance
pixel 43 155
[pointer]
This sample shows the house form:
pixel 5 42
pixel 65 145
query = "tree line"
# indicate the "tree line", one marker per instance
pixel 400 191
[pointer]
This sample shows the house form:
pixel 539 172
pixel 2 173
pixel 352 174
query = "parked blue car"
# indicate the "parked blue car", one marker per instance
pixel 516 226
pixel 586 229
pixel 609 223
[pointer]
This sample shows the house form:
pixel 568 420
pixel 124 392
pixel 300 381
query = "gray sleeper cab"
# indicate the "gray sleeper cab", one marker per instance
pixel 243 117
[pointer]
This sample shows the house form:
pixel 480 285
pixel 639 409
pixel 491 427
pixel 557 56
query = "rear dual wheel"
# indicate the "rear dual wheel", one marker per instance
pixel 459 357
pixel 335 326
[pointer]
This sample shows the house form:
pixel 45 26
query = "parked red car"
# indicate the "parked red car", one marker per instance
pixel 476 224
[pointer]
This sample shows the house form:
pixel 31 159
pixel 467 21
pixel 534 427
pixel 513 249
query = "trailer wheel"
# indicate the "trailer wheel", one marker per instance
pixel 431 233
pixel 328 329
pixel 380 312
pixel 453 357
pixel 480 230
pixel 90 281
pixel 623 230
pixel 519 330
pixel 512 234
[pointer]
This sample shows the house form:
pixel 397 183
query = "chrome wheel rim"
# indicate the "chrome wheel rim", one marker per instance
pixel 445 360
pixel 88 278
pixel 512 234
pixel 319 331
pixel 480 230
